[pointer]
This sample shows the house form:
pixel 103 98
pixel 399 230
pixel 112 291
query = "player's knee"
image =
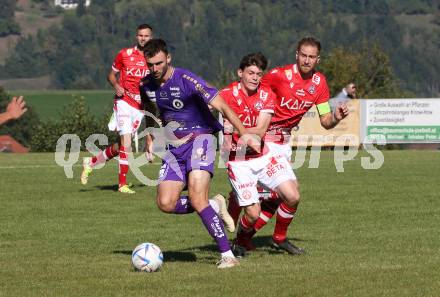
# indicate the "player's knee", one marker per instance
pixel 293 198
pixel 165 204
pixel 252 214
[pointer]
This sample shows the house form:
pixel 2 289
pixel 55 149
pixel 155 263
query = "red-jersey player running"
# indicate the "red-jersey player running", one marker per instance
pixel 297 87
pixel 131 66
pixel 254 105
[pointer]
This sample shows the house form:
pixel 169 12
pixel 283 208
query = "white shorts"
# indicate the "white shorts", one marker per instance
pixel 282 149
pixel 269 171
pixel 125 118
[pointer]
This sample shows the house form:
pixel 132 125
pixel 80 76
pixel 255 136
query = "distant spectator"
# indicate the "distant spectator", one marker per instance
pixel 346 94
pixel 15 109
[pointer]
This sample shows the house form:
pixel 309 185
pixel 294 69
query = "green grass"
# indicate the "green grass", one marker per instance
pixel 48 104
pixel 367 233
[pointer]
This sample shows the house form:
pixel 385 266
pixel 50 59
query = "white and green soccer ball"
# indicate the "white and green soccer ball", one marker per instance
pixel 147 257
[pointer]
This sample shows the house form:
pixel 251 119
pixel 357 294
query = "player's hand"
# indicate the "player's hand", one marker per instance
pixel 252 141
pixel 119 91
pixel 149 149
pixel 16 108
pixel 341 112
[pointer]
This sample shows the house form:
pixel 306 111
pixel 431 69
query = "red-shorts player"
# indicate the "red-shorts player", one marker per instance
pixel 127 115
pixel 254 105
pixel 297 87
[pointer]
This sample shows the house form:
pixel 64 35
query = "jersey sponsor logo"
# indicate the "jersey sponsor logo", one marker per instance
pixel 312 89
pixel 191 79
pixel 247 194
pixel 250 184
pixel 137 72
pixel 202 91
pixel 178 104
pixel 264 95
pixel 300 92
pixel 150 94
pixel 288 73
pixel 273 167
pixel 259 105
pixel 175 94
pixel 176 89
pixel 198 86
pixel 295 104
pixel 248 120
pixel 316 79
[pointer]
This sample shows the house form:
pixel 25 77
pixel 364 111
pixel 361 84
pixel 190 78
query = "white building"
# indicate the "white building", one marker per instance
pixel 69 4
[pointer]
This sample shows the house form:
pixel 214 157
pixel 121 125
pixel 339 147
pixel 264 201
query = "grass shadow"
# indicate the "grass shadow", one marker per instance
pixel 169 256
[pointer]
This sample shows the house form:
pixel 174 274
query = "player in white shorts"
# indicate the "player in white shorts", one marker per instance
pixel 130 65
pixel 254 106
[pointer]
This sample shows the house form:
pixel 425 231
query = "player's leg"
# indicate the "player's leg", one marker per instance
pixel 244 180
pixel 234 209
pixel 269 201
pixel 128 121
pixel 124 152
pixel 168 194
pixel 111 151
pixel 285 213
pixel 268 209
pixel 283 181
pixel 198 190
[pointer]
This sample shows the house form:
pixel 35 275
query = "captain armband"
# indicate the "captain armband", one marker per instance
pixel 323 108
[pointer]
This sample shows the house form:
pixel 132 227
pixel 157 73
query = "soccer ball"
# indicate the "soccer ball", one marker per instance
pixel 147 257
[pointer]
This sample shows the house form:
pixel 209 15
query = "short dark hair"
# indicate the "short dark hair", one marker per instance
pixel 155 46
pixel 309 40
pixel 144 26
pixel 257 59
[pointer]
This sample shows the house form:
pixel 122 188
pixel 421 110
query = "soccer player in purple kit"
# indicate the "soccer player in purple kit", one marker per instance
pixel 183 98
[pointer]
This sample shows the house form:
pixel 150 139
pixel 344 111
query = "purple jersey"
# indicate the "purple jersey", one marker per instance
pixel 183 98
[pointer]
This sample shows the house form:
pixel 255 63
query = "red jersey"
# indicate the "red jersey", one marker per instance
pixel 247 109
pixel 294 97
pixel 131 65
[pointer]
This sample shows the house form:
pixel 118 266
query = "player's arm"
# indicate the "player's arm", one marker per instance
pixel 15 109
pixel 220 105
pixel 150 108
pixel 263 122
pixel 330 119
pixel 113 80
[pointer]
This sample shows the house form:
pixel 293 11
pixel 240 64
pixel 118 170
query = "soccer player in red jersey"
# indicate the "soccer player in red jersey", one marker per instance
pixel 297 87
pixel 131 67
pixel 254 105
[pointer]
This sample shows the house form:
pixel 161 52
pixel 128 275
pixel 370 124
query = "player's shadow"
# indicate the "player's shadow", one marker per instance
pixel 169 256
pixel 114 188
pixel 262 243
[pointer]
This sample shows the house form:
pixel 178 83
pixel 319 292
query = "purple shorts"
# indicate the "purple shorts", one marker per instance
pixel 197 154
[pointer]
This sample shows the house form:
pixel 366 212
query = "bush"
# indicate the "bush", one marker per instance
pixel 75 119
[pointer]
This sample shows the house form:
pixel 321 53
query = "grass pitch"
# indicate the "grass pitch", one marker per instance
pixel 367 233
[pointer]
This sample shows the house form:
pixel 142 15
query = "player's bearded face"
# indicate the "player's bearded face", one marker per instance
pixel 307 58
pixel 143 36
pixel 250 78
pixel 158 65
